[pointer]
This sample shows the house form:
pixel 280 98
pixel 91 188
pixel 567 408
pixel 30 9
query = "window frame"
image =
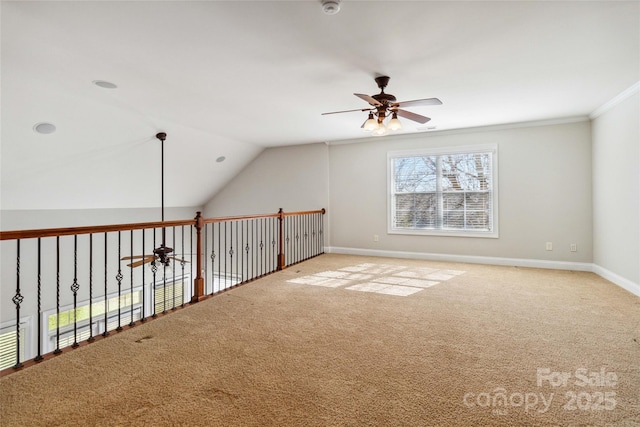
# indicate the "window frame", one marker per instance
pixel 25 340
pixel 440 151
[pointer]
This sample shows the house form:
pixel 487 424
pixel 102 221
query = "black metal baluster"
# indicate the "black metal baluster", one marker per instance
pixel 204 252
pixel 273 244
pixel 164 279
pixel 17 300
pixel 220 257
pixel 191 260
pixel 287 241
pixel 212 257
pixel 303 240
pixel 164 288
pixel 246 250
pixel 182 262
pixel 39 355
pixel 261 260
pixel 296 243
pixel 317 233
pixel 243 248
pixel 255 247
pixel 308 236
pixel 312 244
pixel 106 280
pixel 119 278
pixel 300 220
pixel 295 239
pixel 173 270
pixel 144 288
pixel 225 254
pixel 239 249
pixel 321 234
pixel 91 338
pixel 231 253
pixel 57 350
pixel 74 288
pixel 154 271
pixel 131 278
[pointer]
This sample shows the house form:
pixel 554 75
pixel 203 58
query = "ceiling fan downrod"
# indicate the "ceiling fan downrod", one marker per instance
pixel 162 136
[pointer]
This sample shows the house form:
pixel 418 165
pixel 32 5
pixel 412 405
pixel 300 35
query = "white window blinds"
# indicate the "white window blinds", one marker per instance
pixel 440 191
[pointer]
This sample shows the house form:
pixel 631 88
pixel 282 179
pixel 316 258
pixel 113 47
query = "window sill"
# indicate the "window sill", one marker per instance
pixel 444 233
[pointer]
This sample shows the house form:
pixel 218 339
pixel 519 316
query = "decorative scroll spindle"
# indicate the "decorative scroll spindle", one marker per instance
pixel 57 350
pixel 17 300
pixel 154 271
pixel 212 257
pixel 74 288
pixel 119 278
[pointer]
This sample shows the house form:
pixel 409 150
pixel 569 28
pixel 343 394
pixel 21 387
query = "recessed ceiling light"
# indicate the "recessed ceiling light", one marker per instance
pixel 44 128
pixel 220 159
pixel 104 84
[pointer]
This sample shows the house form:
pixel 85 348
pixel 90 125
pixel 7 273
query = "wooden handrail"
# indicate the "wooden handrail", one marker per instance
pixel 70 231
pixel 198 227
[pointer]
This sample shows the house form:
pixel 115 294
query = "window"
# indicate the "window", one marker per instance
pixel 77 324
pixel 450 191
pixel 8 344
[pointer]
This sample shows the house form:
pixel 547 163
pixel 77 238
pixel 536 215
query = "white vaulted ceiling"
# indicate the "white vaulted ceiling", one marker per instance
pixel 230 78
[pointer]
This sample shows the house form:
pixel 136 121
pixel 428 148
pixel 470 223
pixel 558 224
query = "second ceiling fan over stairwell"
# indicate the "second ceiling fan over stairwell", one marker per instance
pixel 161 254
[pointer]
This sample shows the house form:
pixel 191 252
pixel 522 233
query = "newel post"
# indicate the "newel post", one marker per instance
pixel 198 282
pixel 281 258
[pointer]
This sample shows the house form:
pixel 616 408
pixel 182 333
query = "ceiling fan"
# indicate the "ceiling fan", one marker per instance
pixel 384 105
pixel 161 254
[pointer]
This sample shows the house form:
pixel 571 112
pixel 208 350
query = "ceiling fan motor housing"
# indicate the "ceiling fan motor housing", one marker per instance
pixel 384 98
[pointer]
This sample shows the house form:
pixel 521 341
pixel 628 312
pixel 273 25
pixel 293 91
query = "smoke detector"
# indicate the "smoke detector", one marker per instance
pixel 331 7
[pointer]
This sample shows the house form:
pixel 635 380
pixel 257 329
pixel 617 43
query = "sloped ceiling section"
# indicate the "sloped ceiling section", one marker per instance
pixel 230 78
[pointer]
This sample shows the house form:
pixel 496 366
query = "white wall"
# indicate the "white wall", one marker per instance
pixel 57 218
pixel 616 191
pixel 294 178
pixel 544 194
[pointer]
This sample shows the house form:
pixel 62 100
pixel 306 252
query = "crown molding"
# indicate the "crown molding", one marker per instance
pixel 615 101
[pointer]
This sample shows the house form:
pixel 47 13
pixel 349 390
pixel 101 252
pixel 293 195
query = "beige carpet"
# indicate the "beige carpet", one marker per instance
pixel 358 341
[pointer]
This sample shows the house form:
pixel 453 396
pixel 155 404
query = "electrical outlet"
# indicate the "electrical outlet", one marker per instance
pixel 375 238
pixel 549 246
pixel 573 247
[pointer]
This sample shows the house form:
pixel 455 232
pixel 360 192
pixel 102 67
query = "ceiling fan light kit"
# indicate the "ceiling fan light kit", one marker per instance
pixel 384 105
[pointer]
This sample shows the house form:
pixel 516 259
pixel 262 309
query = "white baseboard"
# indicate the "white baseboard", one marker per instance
pixel 626 284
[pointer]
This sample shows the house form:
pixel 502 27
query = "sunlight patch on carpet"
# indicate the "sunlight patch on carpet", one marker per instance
pixel 320 281
pixel 381 288
pixel 379 278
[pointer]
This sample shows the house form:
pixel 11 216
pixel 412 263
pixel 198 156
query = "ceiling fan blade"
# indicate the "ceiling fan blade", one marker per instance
pixel 134 257
pixel 418 102
pixel 177 259
pixel 412 116
pixel 369 99
pixel 346 111
pixel 142 261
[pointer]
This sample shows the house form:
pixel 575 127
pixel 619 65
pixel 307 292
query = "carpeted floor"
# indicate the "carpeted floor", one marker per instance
pixel 358 341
